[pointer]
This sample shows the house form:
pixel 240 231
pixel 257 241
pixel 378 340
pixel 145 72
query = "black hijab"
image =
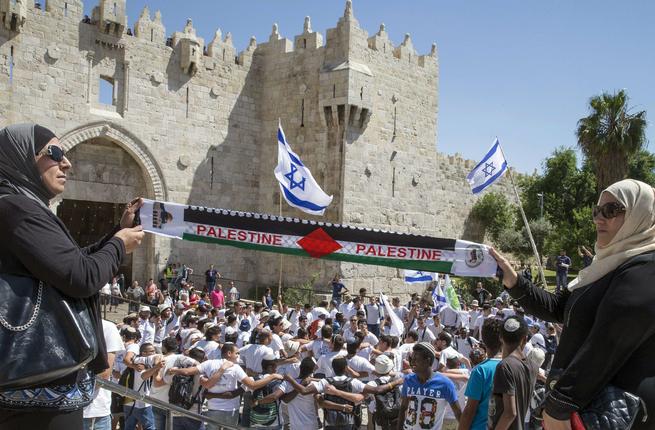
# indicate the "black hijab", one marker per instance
pixel 19 144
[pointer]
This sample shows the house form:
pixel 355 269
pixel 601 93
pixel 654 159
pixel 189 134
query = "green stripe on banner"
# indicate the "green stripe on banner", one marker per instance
pixel 430 266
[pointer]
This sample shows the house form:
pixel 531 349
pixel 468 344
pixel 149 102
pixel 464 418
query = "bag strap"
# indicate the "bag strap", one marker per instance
pixel 32 320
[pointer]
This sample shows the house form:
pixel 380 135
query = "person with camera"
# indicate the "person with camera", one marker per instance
pixel 38 247
pixel 607 344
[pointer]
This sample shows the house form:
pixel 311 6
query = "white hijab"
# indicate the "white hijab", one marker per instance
pixel 636 235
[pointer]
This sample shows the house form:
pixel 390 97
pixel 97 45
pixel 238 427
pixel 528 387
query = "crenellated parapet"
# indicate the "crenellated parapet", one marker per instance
pixel 13 14
pixel 308 40
pixel 110 17
pixel 245 57
pixel 222 50
pixel 152 30
pixel 189 48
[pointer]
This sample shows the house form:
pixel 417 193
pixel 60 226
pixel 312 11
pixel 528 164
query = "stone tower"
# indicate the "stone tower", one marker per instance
pixel 170 119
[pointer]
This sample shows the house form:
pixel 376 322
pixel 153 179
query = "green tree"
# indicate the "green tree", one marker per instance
pixel 610 135
pixel 494 212
pixel 642 167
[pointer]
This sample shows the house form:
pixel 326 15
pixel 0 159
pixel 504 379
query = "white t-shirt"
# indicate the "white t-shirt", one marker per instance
pixel 405 349
pixel 537 340
pixel 425 335
pixel 319 347
pixel 372 314
pixel 465 346
pixel 460 386
pixel 208 346
pixel 401 312
pixel 446 354
pixel 359 365
pixel 228 382
pixel 348 333
pixel 243 339
pixel 106 289
pixel 348 310
pixel 101 405
pixel 276 345
pixel 291 369
pixel 371 339
pixel 147 330
pixel 450 317
pixel 356 385
pixel 302 411
pixel 252 355
pixel 324 363
pixel 139 384
pixel 173 360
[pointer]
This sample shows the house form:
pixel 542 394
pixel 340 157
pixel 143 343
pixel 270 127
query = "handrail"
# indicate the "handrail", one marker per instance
pixel 169 408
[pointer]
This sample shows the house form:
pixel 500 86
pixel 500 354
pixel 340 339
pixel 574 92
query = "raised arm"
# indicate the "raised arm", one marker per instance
pixel 310 389
pixel 256 385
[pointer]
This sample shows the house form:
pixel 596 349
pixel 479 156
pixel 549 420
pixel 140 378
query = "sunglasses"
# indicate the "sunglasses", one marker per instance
pixel 55 153
pixel 608 210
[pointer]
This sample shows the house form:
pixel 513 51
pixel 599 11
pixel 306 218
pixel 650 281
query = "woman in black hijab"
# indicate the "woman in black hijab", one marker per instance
pixel 35 243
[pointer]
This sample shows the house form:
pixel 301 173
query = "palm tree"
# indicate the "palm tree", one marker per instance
pixel 610 136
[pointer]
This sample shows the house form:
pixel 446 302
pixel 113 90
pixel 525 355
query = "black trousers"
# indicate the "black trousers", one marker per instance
pixel 41 420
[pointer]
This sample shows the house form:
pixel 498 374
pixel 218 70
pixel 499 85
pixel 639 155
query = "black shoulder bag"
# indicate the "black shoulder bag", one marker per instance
pixel 44 335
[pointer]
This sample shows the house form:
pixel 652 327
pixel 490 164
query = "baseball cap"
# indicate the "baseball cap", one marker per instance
pixel 275 314
pixel 179 306
pixel 474 303
pixel 163 307
pixel 291 347
pixel 144 308
pixel 245 325
pixel 285 324
pixel 383 365
pixel 263 315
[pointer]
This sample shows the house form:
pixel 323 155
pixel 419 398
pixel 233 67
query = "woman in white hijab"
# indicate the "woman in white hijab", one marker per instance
pixel 607 312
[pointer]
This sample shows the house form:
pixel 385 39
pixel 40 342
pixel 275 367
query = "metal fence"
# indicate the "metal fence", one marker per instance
pixel 172 411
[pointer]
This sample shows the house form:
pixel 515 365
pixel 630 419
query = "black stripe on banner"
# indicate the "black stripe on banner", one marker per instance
pixel 294 226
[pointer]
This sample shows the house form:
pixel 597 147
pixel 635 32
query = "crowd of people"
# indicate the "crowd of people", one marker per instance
pixel 273 364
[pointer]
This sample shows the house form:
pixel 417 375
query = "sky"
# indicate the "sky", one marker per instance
pixel 522 71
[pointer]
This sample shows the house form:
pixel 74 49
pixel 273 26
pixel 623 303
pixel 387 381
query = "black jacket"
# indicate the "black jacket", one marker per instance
pixel 36 243
pixel 608 335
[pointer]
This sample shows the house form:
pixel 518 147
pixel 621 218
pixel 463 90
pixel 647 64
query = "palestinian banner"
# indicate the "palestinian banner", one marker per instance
pixel 304 238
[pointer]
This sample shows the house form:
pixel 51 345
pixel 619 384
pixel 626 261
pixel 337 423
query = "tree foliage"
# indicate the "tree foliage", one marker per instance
pixel 610 135
pixel 494 212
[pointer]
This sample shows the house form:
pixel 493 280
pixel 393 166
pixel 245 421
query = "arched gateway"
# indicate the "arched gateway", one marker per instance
pixel 110 166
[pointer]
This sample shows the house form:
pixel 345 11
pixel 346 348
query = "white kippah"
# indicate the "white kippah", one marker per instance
pixel 512 324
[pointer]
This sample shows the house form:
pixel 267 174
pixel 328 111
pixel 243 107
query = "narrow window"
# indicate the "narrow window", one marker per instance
pixel 152 34
pixel 187 102
pixel 384 48
pixel 65 9
pixel 395 112
pixel 302 113
pixel 106 91
pixel 410 58
pixel 361 93
pixel 11 64
pixel 334 91
pixel 115 9
pixel 223 54
pixel 393 183
pixel 304 43
pixel 211 174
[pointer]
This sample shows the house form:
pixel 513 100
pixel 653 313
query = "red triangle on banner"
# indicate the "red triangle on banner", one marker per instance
pixel 318 243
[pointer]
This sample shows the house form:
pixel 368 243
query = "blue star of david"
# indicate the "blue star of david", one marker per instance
pixel 488 169
pixel 292 183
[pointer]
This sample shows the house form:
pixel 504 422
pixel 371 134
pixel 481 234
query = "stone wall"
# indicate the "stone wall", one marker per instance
pixel 196 123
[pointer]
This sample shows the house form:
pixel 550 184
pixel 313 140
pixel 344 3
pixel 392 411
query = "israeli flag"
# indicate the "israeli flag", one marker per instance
pixel 492 167
pixel 438 299
pixel 297 184
pixel 413 276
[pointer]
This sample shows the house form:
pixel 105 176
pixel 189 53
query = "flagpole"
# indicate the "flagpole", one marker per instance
pixel 525 221
pixel 279 281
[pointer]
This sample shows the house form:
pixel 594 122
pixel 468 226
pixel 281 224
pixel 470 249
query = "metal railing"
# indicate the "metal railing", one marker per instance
pixel 171 410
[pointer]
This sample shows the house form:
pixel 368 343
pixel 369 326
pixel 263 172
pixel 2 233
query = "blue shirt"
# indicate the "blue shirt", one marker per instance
pixel 427 402
pixel 563 259
pixel 336 289
pixel 479 388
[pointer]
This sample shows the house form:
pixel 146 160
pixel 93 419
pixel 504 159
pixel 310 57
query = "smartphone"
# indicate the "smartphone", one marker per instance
pixel 137 218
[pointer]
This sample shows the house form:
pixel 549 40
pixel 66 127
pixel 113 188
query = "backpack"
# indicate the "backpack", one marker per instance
pixel 268 414
pixel 387 407
pixel 338 419
pixel 126 380
pixel 181 392
pixel 551 344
